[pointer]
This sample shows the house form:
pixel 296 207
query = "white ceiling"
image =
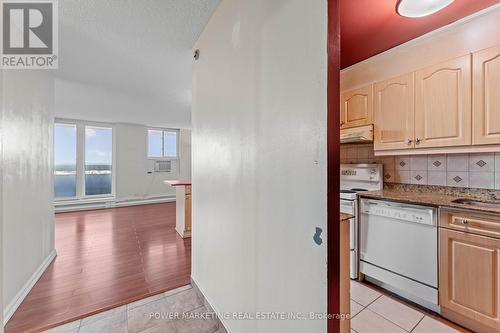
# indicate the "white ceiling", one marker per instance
pixel 140 48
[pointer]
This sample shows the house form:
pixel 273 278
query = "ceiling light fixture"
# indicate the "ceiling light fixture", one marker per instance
pixel 420 8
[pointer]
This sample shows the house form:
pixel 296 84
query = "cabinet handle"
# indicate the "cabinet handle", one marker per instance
pixel 465 222
pixel 409 142
pixel 342 123
pixel 417 141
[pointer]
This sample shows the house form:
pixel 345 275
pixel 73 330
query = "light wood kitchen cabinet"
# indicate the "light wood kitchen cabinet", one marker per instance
pixel 345 280
pixel 471 222
pixel 486 96
pixel 469 276
pixel 182 206
pixel 394 113
pixel 469 268
pixel 443 104
pixel 357 107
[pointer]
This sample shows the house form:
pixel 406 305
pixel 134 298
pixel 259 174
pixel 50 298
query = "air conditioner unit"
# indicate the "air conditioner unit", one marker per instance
pixel 163 166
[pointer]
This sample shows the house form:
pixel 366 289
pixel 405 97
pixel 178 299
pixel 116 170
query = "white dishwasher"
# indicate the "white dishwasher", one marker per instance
pixel 399 249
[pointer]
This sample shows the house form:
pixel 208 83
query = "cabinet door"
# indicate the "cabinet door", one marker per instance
pixel 486 96
pixel 357 107
pixel 443 104
pixel 394 111
pixel 469 276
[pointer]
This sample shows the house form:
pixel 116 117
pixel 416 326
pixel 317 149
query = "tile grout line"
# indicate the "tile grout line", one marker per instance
pixel 446 172
pixel 366 307
pixel 374 301
pixel 418 323
pixel 363 307
pixel 383 317
pixel 406 307
pixel 387 319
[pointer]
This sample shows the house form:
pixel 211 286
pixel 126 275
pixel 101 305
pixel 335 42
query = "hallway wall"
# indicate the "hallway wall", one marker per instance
pixel 28 212
pixel 1 202
pixel 259 162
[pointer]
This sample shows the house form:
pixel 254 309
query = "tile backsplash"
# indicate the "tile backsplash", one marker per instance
pixel 480 170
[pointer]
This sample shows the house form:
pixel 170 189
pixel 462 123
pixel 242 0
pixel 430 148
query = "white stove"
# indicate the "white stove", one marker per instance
pixel 356 178
pixel 351 194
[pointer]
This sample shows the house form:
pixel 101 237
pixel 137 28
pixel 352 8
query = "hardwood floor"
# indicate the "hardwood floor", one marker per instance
pixel 106 258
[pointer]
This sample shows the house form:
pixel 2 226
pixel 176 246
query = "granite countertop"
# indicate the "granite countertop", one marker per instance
pixel 436 196
pixel 345 217
pixel 177 182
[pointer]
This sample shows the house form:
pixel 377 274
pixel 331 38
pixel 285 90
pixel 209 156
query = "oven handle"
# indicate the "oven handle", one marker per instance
pixel 347 206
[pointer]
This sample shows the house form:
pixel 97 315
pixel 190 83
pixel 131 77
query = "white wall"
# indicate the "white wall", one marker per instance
pixel 28 213
pixel 1 203
pixel 259 161
pixel 132 165
pixel 78 100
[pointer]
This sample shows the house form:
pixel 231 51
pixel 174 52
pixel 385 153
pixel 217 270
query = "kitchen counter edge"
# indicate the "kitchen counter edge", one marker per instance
pixel 427 199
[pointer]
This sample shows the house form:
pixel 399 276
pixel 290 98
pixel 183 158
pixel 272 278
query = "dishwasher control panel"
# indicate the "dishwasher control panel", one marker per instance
pixel 403 212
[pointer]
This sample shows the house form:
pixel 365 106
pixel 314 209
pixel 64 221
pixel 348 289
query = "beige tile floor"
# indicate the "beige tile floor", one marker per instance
pixel 373 312
pixel 141 317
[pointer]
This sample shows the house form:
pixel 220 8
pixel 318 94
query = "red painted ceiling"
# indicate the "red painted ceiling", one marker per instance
pixel 369 27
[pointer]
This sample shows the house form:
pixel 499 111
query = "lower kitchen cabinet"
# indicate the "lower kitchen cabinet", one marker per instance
pixel 469 279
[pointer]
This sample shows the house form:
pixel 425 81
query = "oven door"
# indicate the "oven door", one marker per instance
pixel 351 207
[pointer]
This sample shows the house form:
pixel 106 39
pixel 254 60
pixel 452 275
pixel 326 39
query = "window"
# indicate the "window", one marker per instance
pixel 163 143
pixel 83 160
pixel 65 161
pixel 98 160
pixel 155 144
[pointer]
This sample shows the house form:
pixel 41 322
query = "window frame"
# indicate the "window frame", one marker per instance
pixel 163 157
pixel 75 197
pixel 80 160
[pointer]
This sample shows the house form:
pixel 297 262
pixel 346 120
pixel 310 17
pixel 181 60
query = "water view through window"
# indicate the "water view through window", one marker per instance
pixel 88 172
pixel 98 160
pixel 65 161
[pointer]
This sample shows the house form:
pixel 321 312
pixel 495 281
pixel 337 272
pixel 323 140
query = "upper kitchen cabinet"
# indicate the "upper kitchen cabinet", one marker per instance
pixel 394 110
pixel 443 104
pixel 357 107
pixel 486 100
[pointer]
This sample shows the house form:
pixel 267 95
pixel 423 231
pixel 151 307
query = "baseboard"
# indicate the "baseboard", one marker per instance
pixel 135 202
pixel 21 295
pixel 94 205
pixel 208 305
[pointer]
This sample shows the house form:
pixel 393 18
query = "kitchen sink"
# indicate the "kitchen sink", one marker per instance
pixel 477 203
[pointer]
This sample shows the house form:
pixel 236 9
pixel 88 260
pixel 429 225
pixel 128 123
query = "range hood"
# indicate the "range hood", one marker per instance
pixel 357 134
